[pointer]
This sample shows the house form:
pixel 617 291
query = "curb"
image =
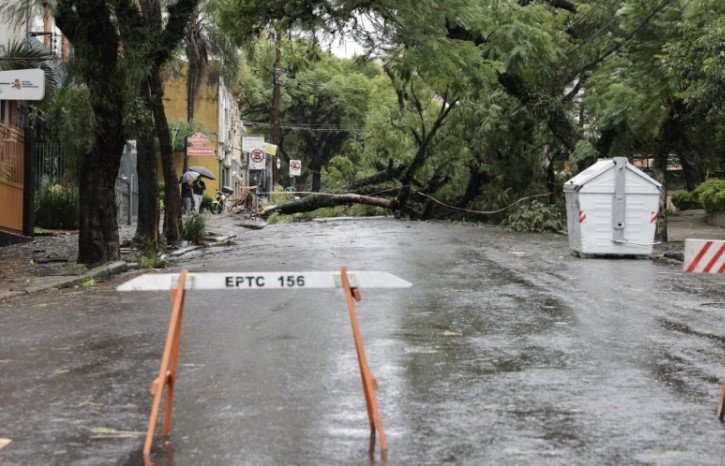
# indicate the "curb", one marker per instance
pixel 103 271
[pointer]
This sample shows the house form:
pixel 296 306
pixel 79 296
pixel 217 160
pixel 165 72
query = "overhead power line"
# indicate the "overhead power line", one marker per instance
pixel 310 128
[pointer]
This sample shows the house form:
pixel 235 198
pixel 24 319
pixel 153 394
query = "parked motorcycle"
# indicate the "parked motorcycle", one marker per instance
pixel 218 204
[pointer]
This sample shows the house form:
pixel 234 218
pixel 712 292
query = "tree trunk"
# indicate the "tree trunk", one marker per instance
pixel 661 225
pixel 316 169
pixel 98 238
pixel 148 192
pixel 678 141
pixel 318 201
pixel 476 179
pixel 172 194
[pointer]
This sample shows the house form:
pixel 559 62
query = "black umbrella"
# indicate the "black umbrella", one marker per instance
pixel 203 171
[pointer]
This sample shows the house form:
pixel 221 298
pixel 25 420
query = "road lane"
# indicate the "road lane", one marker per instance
pixel 507 350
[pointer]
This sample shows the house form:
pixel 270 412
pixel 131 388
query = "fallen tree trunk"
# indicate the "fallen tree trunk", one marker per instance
pixel 318 201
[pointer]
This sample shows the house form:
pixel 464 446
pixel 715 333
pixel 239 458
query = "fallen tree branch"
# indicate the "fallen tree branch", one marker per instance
pixel 318 201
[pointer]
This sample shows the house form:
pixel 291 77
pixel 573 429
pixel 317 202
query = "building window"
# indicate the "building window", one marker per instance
pixel 5 111
pixel 223 176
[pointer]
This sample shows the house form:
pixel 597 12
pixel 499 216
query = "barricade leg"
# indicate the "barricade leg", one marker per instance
pixel 172 368
pixel 721 407
pixel 167 370
pixel 370 385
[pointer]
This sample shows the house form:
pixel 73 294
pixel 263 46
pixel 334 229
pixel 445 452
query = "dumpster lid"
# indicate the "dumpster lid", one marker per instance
pixel 602 166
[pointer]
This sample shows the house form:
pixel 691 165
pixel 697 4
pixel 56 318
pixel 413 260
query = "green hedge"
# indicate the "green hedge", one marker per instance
pixel 712 195
pixel 685 200
pixel 57 207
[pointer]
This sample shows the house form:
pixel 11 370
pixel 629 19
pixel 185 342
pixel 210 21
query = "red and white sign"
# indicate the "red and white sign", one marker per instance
pixel 704 256
pixel 197 145
pixel 256 159
pixel 295 167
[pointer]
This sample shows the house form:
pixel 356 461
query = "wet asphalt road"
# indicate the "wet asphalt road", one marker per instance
pixel 508 350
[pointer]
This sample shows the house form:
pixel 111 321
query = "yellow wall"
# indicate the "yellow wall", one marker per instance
pixel 206 112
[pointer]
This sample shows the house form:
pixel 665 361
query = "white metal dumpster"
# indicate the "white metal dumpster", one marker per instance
pixel 612 209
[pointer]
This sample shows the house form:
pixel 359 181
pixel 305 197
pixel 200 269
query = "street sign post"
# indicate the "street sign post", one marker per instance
pixel 350 282
pixel 22 84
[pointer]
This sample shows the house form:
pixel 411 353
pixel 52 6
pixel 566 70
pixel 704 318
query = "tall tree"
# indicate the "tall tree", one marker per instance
pixel 112 55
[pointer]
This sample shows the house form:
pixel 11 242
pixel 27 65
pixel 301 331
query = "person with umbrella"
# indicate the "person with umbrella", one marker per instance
pixel 198 187
pixel 186 199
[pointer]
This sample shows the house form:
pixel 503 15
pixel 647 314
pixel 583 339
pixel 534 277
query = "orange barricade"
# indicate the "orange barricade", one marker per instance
pixel 721 407
pixel 167 372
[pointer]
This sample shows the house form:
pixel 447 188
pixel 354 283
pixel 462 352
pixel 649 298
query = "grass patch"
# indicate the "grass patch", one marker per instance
pixel 276 217
pixel 194 229
pixel 149 256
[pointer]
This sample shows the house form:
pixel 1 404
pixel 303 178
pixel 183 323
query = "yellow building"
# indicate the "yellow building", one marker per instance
pixel 219 115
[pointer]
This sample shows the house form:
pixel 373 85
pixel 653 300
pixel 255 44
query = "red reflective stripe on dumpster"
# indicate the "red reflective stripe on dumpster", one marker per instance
pixel 582 216
pixel 714 260
pixel 698 257
pixel 653 218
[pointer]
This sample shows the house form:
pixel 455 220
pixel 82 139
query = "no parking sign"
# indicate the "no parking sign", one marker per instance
pixel 295 167
pixel 256 160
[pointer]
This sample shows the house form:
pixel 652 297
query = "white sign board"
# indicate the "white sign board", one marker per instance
pixel 249 143
pixel 22 84
pixel 295 167
pixel 704 256
pixel 254 147
pixel 263 281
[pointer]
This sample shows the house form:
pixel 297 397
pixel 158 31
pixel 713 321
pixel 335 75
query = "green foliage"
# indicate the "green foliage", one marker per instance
pixel 194 229
pixel 340 172
pixel 149 257
pixel 151 262
pixel 711 194
pixel 536 217
pixel 685 200
pixel 326 99
pixel 57 207
pixel 276 217
pixel 206 201
pixel 584 152
pixel 182 129
pixel 72 124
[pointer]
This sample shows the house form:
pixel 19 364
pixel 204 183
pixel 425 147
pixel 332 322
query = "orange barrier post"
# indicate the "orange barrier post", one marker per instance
pixel 167 372
pixel 721 407
pixel 370 384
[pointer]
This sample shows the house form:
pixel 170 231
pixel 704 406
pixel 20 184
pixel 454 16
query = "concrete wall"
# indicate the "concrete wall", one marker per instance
pixel 717 219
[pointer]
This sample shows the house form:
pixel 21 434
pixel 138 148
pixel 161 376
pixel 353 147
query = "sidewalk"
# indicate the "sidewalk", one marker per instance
pixel 48 261
pixel 687 224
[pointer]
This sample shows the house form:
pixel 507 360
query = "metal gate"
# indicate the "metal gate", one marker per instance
pixel 50 165
pixel 12 153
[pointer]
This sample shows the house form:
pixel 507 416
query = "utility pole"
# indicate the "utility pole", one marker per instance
pixel 276 96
